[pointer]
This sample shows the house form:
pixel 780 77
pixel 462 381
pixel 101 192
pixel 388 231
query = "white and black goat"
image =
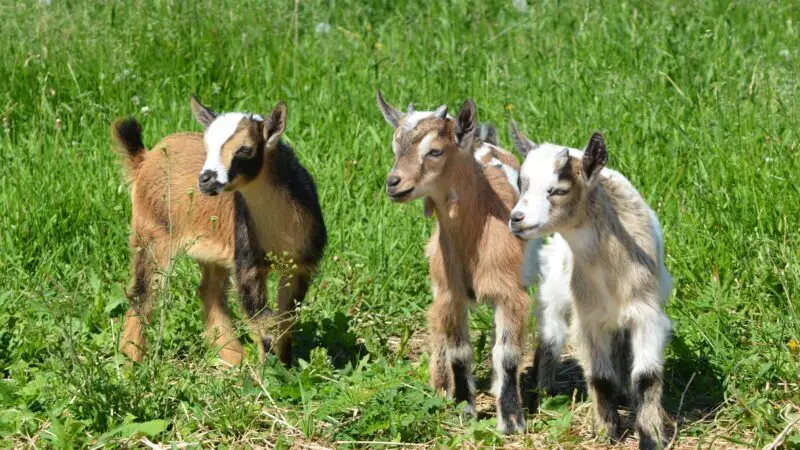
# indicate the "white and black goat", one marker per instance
pixel 605 267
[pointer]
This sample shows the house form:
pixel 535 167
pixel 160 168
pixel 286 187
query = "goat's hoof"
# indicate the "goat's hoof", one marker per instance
pixel 469 412
pixel 648 442
pixel 514 425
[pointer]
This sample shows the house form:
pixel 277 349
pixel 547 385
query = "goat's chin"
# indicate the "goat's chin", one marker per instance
pixel 403 196
pixel 529 233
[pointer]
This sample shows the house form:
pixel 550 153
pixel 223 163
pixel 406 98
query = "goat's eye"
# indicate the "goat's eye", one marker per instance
pixel 555 191
pixel 245 152
pixel 435 153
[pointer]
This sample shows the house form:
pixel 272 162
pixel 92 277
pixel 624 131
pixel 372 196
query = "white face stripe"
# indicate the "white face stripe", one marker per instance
pixel 412 120
pixel 538 170
pixel 425 145
pixel 220 130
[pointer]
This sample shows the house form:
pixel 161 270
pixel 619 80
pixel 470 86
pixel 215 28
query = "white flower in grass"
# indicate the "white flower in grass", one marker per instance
pixel 520 5
pixel 322 28
pixel 784 53
pixel 145 109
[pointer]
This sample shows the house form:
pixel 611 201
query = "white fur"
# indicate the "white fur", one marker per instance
pixel 215 136
pixel 413 119
pixel 220 130
pixel 511 173
pixel 425 146
pixel 607 305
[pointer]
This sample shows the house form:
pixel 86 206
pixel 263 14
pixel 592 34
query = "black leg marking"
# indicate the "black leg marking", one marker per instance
pixel 462 384
pixel 647 390
pixel 546 361
pixel 605 406
pixel 510 402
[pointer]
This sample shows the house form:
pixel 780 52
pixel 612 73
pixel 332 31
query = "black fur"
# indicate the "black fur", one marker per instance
pixel 247 167
pixel 545 361
pixel 607 409
pixel 128 133
pixel 510 402
pixel 645 391
pixel 250 261
pixel 461 376
pixel 138 290
pixel 289 174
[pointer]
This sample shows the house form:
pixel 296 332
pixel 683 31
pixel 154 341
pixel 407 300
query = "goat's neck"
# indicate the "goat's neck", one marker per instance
pixel 264 199
pixel 588 233
pixel 459 198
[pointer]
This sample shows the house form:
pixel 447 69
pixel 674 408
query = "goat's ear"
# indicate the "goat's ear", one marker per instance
pixel 390 113
pixel 203 115
pixel 521 142
pixel 595 157
pixel 466 125
pixel 275 125
pixel 441 112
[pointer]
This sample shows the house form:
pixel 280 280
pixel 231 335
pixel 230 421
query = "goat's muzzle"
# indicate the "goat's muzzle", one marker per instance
pixel 392 185
pixel 208 183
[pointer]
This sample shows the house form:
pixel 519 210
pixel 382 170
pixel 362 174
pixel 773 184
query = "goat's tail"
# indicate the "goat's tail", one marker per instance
pixel 488 133
pixel 128 136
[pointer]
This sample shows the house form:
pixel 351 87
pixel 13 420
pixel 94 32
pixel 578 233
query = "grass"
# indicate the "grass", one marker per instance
pixel 699 104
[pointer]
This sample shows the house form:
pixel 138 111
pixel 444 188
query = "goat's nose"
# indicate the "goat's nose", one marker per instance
pixel 207 176
pixel 517 216
pixel 392 181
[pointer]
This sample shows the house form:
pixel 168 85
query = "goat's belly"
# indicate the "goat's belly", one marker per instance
pixel 210 252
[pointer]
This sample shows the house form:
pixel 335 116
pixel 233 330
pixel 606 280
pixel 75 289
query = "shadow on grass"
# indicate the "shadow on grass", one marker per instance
pixel 332 334
pixel 704 396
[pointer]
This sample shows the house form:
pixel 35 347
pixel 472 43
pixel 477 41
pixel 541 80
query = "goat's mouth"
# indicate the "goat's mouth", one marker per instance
pixel 213 189
pixel 529 232
pixel 399 196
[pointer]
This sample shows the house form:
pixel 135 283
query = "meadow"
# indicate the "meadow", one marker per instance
pixel 700 105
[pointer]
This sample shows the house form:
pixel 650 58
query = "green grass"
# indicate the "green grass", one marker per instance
pixel 698 101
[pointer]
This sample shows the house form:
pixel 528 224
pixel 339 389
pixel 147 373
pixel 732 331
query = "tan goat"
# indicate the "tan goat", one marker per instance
pixel 267 207
pixel 472 255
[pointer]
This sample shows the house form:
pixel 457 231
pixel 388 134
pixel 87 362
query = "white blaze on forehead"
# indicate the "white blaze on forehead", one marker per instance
pixel 220 130
pixel 412 120
pixel 539 173
pixel 425 145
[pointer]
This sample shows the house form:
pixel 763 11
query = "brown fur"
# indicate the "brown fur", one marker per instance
pixel 170 216
pixel 471 254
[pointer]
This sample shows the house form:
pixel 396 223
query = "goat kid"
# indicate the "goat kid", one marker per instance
pixel 268 206
pixel 604 266
pixel 471 254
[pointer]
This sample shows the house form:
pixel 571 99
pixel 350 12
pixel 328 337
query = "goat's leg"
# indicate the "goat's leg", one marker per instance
pixel 150 260
pixel 509 319
pixel 291 292
pixel 552 329
pixel 451 352
pixel 219 327
pixel 251 283
pixel 594 348
pixel 648 337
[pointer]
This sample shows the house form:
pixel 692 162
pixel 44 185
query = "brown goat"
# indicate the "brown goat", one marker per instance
pixel 472 255
pixel 268 208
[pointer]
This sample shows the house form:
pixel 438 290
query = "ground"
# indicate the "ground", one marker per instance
pixel 699 105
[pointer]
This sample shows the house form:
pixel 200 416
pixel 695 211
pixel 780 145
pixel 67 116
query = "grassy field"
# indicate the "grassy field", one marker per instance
pixel 700 105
